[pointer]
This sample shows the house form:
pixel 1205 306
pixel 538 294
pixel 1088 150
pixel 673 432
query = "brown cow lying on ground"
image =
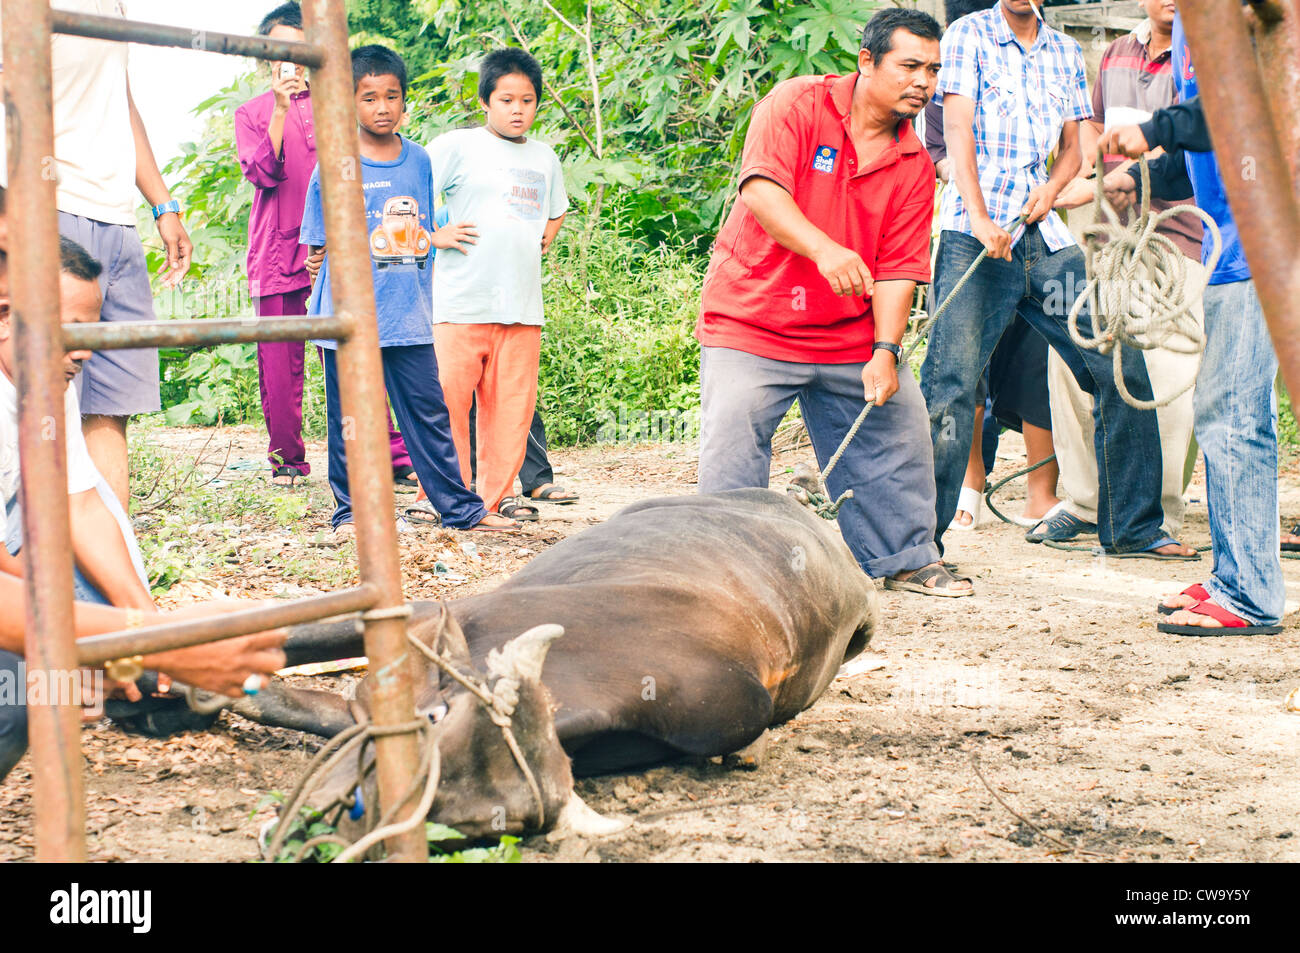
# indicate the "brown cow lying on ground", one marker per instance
pixel 690 624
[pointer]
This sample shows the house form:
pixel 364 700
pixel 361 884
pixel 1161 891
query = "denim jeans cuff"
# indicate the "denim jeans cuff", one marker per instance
pixel 913 558
pixel 1221 596
pixel 1135 547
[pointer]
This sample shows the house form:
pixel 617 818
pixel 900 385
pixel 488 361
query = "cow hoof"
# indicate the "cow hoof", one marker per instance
pixel 577 819
pixel 749 757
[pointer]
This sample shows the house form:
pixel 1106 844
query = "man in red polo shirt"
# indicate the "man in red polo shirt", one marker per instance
pixel 808 293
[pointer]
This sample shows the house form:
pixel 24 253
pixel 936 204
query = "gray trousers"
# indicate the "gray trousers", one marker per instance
pixel 889 523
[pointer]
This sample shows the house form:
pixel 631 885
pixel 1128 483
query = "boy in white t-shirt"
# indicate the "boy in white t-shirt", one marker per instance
pixel 506 201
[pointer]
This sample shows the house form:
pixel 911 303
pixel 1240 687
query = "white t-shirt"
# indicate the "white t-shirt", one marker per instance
pixel 94 146
pixel 82 475
pixel 509 190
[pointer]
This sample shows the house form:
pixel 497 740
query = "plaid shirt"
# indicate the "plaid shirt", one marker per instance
pixel 1022 99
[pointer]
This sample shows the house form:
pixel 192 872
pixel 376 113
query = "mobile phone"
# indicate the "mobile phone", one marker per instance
pixel 288 70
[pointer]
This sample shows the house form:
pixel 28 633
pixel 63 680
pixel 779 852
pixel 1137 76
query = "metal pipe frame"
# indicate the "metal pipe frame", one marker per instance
pixel 40 340
pixel 1277 40
pixel 1255 171
pixel 54 732
pixel 95 650
pixel 156 34
pixel 364 404
pixel 201 333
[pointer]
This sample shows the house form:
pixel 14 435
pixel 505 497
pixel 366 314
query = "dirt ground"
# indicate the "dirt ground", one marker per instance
pixel 1043 719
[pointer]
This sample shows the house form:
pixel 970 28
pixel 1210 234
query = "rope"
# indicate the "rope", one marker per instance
pixel 820 503
pixel 988 494
pixel 1130 269
pixel 429 772
pixel 1137 288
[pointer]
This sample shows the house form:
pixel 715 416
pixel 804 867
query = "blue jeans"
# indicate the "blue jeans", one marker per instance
pixel 1236 426
pixel 887 524
pixel 1041 285
pixel 411 377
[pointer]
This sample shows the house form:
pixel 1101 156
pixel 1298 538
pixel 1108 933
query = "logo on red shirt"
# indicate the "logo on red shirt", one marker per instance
pixel 824 160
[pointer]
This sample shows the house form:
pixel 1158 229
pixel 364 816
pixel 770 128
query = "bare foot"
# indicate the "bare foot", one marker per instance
pixel 495 523
pixel 1175 549
pixel 962 518
pixel 1291 538
pixel 1036 509
pixel 1186 617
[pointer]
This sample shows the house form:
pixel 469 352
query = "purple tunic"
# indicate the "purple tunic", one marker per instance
pixel 276 262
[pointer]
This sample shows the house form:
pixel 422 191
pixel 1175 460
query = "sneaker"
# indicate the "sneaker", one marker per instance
pixel 1059 526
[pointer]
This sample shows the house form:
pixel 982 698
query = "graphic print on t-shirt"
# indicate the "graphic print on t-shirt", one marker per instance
pixel 526 194
pixel 400 239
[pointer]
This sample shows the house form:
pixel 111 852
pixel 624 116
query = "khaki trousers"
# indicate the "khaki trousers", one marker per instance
pixel 1072 425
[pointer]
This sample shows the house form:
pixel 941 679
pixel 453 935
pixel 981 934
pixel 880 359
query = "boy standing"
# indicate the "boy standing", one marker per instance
pixel 398 186
pixel 488 297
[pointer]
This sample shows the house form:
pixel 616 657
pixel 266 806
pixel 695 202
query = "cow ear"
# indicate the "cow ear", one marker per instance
pixel 443 634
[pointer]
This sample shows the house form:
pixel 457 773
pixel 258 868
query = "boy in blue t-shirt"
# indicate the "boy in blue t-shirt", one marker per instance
pixel 397 181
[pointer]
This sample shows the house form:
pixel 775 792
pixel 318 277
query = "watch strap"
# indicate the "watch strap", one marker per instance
pixel 893 349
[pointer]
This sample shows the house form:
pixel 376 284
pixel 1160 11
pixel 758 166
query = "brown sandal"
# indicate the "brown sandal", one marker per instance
pixel 916 582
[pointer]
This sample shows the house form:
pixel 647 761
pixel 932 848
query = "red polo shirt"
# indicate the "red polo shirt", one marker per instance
pixel 762 298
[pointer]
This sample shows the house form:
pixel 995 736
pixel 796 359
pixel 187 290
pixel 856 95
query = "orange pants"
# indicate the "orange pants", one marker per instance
pixel 498 364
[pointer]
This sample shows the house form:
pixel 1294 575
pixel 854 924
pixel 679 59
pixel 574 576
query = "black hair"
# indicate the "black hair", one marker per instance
pixel 375 60
pixel 954 10
pixel 286 14
pixel 76 261
pixel 878 34
pixel 503 62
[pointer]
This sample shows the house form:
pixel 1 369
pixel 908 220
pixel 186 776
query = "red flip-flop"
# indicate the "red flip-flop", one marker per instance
pixel 1230 624
pixel 1195 590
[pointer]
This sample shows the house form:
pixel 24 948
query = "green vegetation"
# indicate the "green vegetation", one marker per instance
pixel 311 824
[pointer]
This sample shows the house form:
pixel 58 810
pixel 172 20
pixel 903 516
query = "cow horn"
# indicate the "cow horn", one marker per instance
pixel 579 820
pixel 521 658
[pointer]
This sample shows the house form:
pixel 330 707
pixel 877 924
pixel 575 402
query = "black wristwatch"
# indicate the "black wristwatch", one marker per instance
pixel 893 349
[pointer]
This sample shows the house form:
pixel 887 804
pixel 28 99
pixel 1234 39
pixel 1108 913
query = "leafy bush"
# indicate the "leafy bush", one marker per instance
pixel 619 357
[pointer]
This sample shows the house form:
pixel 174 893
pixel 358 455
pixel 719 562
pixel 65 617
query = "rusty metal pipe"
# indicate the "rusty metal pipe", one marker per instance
pixel 1255 172
pixel 1277 42
pixel 365 416
pixel 201 333
pixel 54 732
pixel 98 649
pixel 157 34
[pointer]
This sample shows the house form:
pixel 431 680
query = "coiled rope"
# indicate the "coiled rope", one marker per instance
pixel 1137 293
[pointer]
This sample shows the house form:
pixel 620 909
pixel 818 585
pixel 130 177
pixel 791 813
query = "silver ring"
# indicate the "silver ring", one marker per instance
pixel 252 684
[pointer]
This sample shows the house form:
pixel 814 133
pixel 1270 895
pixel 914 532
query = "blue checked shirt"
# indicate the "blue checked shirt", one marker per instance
pixel 1022 100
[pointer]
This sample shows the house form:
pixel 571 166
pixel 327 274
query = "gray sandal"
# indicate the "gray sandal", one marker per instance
pixel 422 511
